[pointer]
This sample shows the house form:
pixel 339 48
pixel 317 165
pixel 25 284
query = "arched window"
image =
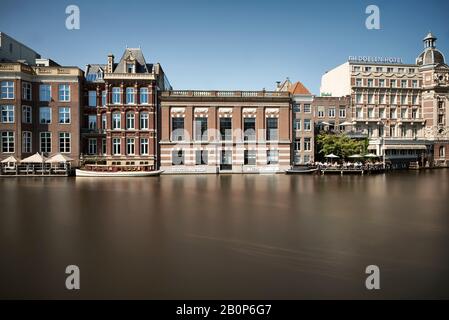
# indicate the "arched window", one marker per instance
pixel 130 117
pixel 116 120
pixel 442 152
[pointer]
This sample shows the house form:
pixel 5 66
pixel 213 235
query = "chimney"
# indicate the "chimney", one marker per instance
pixel 110 63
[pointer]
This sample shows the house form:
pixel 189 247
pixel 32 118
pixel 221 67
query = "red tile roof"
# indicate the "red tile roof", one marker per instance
pixel 298 88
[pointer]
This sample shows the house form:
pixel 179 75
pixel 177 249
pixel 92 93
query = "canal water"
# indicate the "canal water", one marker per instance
pixel 226 237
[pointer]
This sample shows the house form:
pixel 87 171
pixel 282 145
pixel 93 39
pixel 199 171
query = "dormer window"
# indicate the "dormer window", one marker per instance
pixel 130 68
pixel 100 75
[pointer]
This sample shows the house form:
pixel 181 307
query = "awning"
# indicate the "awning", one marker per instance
pixel 59 158
pixel 9 160
pixel 406 147
pixel 35 158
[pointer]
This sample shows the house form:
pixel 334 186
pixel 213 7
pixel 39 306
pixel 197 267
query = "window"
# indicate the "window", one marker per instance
pixel 92 98
pixel 400 70
pixel 403 131
pixel 130 96
pixel 297 145
pixel 370 82
pixel 92 146
pixel 116 121
pixel 394 99
pixel 411 70
pixel 359 113
pixel 92 122
pixel 64 142
pixel 382 99
pixel 143 95
pixel 379 69
pixel 414 132
pixel 26 91
pixel 7 114
pixel 358 82
pixel 44 92
pixel 27 115
pixel 403 83
pixel 320 112
pixel 7 90
pixel 297 108
pixel 200 127
pixel 307 144
pixel 307 125
pixel 331 112
pixel 26 142
pixel 371 98
pixel 358 98
pixel 441 119
pixel 306 158
pixel 342 112
pixel 393 113
pixel 64 115
pixel 116 95
pixel 392 83
pixel 144 120
pixel 382 113
pixel 272 157
pixel 403 99
pixel 415 114
pixel 367 69
pixel 442 152
pixel 116 146
pixel 390 70
pixel 403 113
pixel 371 113
pixel 356 69
pixel 45 142
pixel 177 129
pixel 382 83
pixel 249 157
pixel 414 100
pixel 44 115
pixel 297 124
pixel 103 97
pixel 144 146
pixel 130 120
pixel 130 68
pixel 272 129
pixel 381 130
pixel 392 131
pixel 226 129
pixel 64 92
pixel 177 157
pixel 103 146
pixel 249 129
pixel 201 157
pixel 8 142
pixel 307 108
pixel 130 146
pixel 104 122
pixel 415 83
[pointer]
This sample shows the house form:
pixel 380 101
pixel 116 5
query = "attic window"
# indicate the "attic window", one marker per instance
pixel 130 68
pixel 100 75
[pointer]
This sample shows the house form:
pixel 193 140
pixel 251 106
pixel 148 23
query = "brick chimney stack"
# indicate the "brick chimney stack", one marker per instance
pixel 110 63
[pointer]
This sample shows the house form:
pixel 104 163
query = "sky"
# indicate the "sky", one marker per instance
pixel 232 44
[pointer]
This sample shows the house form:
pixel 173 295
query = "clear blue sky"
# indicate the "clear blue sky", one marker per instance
pixel 232 44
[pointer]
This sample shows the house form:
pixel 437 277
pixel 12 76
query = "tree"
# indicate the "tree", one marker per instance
pixel 340 145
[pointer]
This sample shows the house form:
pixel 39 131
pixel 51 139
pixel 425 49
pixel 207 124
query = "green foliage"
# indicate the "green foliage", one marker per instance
pixel 340 145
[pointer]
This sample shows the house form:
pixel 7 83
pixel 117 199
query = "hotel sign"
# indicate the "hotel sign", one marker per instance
pixel 375 59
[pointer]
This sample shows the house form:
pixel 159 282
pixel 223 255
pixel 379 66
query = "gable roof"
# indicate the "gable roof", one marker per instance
pixel 298 88
pixel 136 55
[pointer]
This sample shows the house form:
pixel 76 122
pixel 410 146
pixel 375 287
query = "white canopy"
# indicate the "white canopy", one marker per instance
pixel 370 155
pixel 346 123
pixel 354 156
pixel 35 158
pixel 59 158
pixel 9 160
pixel 332 156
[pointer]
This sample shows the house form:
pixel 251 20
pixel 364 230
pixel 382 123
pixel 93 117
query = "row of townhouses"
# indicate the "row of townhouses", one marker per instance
pixel 125 112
